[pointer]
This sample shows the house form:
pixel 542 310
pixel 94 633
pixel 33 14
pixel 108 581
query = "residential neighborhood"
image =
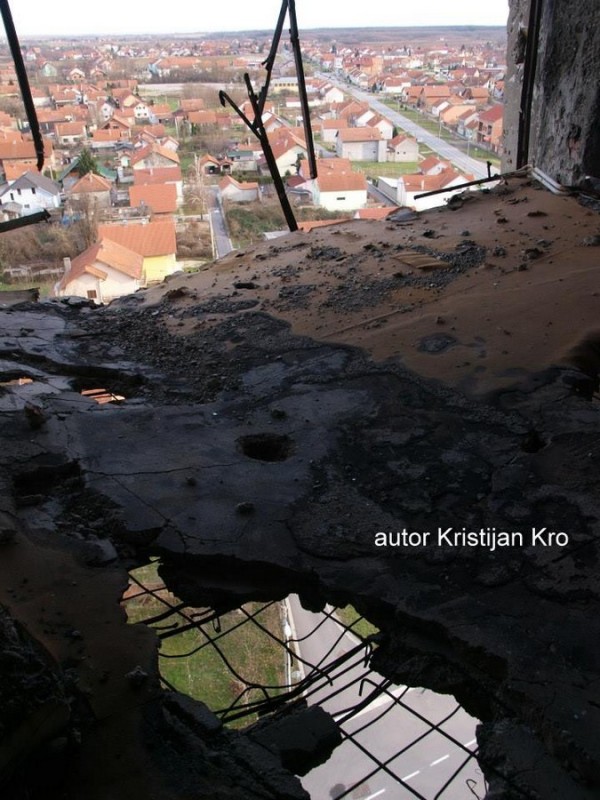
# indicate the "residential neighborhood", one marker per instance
pixel 131 164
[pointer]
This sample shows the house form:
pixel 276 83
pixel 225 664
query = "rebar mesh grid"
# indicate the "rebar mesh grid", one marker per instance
pixel 341 681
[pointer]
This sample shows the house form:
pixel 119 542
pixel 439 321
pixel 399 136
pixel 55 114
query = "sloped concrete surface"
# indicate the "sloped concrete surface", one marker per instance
pixel 257 462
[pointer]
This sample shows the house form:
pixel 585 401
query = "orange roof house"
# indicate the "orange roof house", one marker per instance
pixel 102 272
pixel 155 241
pixel 160 198
pixel 93 187
pixel 154 155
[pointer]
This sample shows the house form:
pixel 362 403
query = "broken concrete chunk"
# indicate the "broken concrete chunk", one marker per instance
pixel 302 740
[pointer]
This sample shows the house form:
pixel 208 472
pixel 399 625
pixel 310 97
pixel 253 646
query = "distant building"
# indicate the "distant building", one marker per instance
pixel 239 192
pixel 93 187
pixel 403 149
pixel 361 144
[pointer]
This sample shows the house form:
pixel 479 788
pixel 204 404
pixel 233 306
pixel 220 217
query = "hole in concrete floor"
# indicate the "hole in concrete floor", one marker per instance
pixel 245 663
pixel 266 446
pixel 233 662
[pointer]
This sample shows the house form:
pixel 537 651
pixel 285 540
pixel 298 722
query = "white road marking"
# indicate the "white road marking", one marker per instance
pixel 380 700
pixel 439 760
pixel 412 775
pixel 371 796
pixel 473 741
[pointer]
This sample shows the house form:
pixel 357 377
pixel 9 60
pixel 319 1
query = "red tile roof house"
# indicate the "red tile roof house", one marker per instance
pixel 403 149
pixel 24 151
pixel 94 187
pixel 161 175
pixel 160 198
pixel 430 95
pixel 489 131
pixel 155 241
pixel 287 147
pixel 330 128
pixel 432 166
pixel 341 191
pixel 383 125
pixel 104 271
pixel 68 133
pixel 154 156
pixel 106 139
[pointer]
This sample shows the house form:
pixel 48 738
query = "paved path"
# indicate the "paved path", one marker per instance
pixel 220 235
pixel 383 728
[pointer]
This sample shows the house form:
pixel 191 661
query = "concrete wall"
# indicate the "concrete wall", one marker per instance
pixel 565 130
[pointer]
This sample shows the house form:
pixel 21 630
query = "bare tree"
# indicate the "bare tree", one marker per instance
pixel 86 212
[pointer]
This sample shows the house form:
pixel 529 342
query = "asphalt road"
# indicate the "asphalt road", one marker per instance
pixel 220 235
pixel 415 755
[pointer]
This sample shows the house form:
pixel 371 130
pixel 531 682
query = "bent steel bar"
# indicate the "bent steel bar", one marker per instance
pixel 295 40
pixel 22 222
pixel 259 131
pixel 17 56
pixel 258 106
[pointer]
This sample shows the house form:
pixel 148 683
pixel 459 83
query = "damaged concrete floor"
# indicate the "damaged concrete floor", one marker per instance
pixel 282 408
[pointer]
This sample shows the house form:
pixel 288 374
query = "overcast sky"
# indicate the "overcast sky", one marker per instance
pixel 35 17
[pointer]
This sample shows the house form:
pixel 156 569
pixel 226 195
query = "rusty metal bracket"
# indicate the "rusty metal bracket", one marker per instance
pixel 17 56
pixel 258 101
pixel 34 126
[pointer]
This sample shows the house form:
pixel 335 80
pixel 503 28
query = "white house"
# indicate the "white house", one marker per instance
pixel 33 192
pixel 363 118
pixel 361 144
pixel 341 191
pixel 102 272
pixel 409 186
pixel 336 187
pixel 333 95
pixel 287 148
pixel 383 125
pixel 330 128
pixel 238 192
pixel 403 149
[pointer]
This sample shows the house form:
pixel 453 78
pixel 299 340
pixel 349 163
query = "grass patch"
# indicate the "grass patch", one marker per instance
pixel 350 617
pixel 248 222
pixel 193 666
pixel 387 169
pixel 45 287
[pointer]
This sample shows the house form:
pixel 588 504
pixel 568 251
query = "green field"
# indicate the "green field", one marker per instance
pixel 195 661
pixel 350 617
pixel 387 169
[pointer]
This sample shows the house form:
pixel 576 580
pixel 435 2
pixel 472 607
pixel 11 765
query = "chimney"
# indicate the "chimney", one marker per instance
pixel 66 265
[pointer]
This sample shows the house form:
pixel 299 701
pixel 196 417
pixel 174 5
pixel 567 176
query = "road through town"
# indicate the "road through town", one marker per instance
pixel 468 165
pixel 222 244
